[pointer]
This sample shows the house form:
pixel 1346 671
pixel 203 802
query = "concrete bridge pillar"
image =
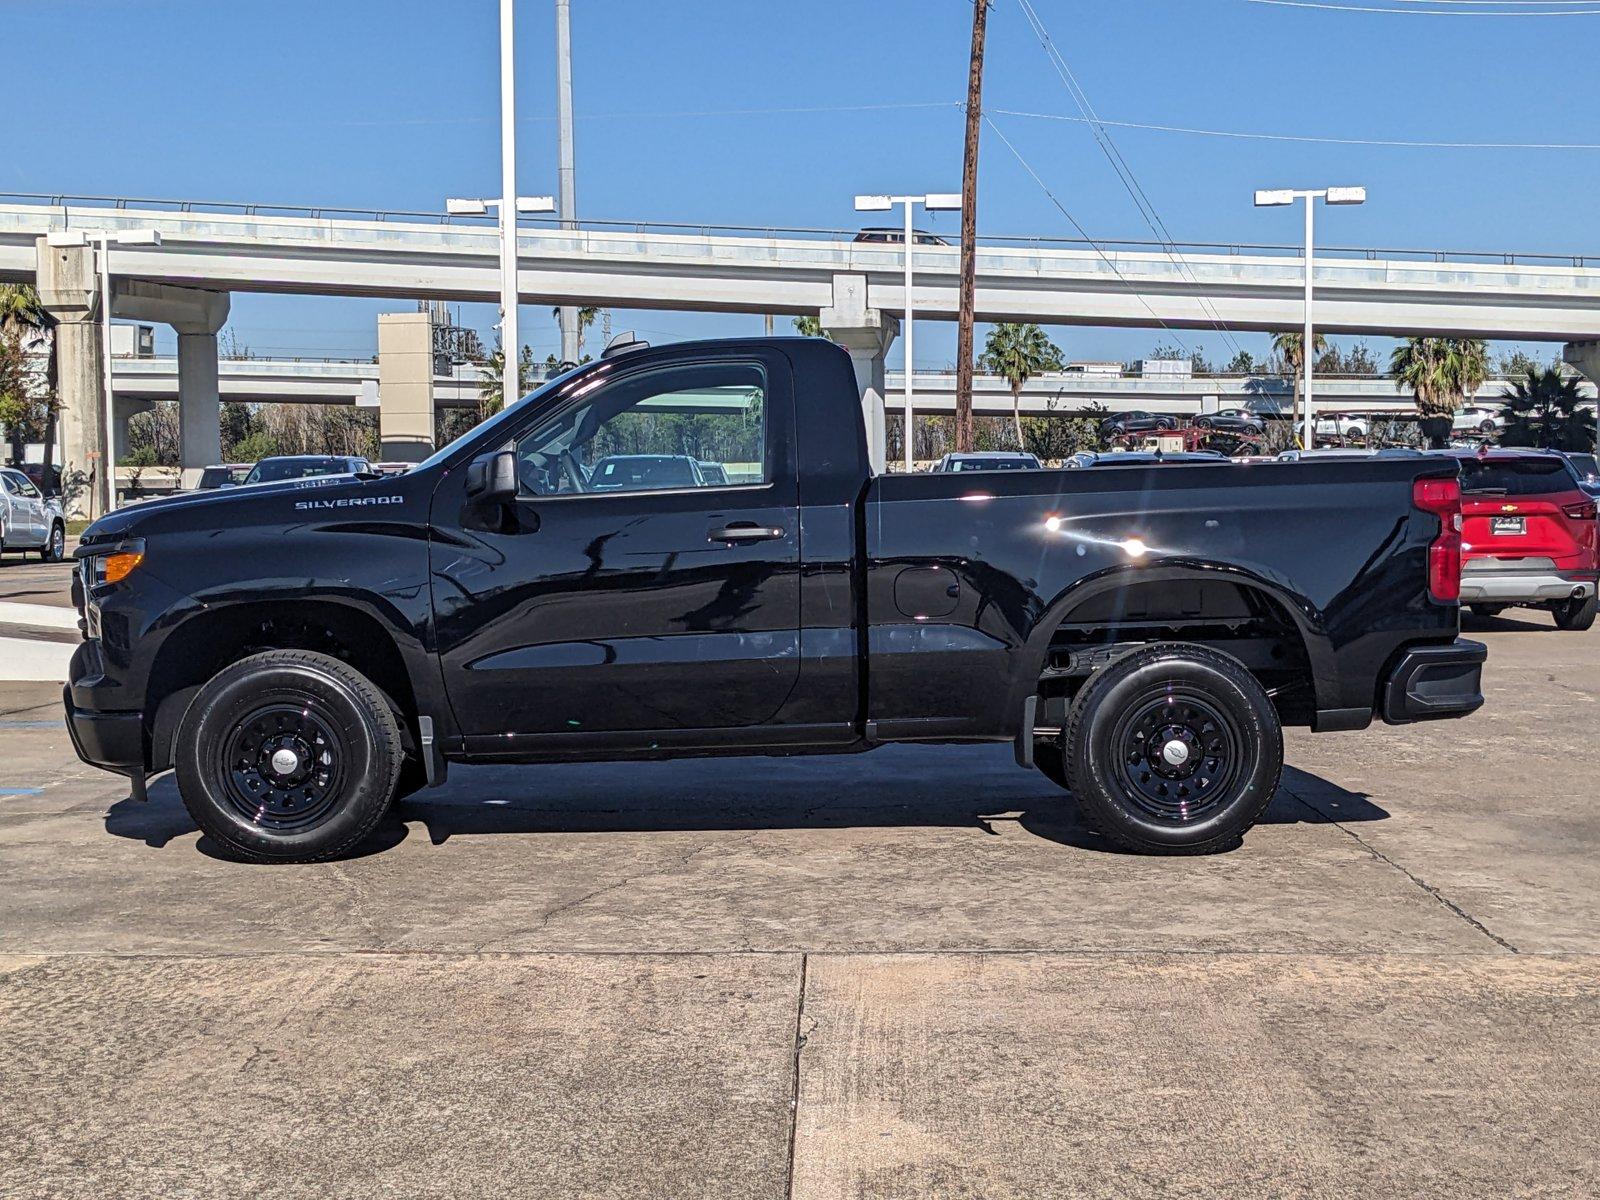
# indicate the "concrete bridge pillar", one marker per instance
pixel 196 316
pixel 867 334
pixel 405 386
pixel 70 292
pixel 1584 357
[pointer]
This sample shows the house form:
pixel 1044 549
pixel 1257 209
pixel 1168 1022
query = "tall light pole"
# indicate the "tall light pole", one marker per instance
pixel 509 341
pixel 102 240
pixel 933 202
pixel 567 182
pixel 1278 199
pixel 510 377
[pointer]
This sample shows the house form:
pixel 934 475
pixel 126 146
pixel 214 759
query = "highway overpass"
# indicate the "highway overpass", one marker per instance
pixel 856 289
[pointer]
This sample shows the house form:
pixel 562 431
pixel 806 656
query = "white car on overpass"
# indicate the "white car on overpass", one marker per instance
pixel 1341 425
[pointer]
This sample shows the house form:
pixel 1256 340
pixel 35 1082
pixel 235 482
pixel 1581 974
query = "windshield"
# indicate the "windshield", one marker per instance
pixel 270 470
pixel 1516 476
pixel 502 418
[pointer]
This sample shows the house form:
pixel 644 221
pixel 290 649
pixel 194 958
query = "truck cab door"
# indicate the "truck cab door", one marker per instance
pixel 644 583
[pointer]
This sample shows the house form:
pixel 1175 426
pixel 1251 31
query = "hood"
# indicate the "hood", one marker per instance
pixel 121 523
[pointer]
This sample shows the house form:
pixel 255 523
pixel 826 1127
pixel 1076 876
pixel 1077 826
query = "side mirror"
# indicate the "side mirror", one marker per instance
pixel 492 477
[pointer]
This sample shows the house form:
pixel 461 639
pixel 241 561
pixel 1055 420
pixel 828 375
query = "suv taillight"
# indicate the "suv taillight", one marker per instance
pixel 1584 510
pixel 1442 498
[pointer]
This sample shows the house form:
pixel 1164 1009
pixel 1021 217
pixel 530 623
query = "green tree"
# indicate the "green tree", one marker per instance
pixel 1242 363
pixel 1442 373
pixel 1543 409
pixel 491 389
pixel 1018 353
pixel 809 326
pixel 586 318
pixel 27 402
pixel 1290 351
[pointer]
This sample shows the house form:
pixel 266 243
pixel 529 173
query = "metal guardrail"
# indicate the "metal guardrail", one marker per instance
pixel 337 212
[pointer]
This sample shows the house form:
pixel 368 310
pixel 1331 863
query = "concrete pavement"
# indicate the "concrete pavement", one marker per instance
pixel 907 973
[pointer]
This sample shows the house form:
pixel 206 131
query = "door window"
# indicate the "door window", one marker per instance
pixel 694 426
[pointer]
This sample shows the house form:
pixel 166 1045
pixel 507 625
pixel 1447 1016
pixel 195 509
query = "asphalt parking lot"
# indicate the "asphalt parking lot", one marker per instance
pixel 907 973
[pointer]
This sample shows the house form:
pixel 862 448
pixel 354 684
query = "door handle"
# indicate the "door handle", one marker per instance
pixel 745 531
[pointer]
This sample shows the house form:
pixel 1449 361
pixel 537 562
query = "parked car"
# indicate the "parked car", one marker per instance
pixel 392 468
pixel 1587 468
pixel 1127 458
pixel 1232 420
pixel 1478 418
pixel 303 656
pixel 1528 535
pixel 714 473
pixel 1334 453
pixel 30 520
pixel 221 476
pixel 306 466
pixel 1136 421
pixel 46 479
pixel 897 237
pixel 992 460
pixel 1339 426
pixel 645 472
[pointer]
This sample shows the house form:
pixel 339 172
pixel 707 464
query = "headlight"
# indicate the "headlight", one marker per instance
pixel 115 565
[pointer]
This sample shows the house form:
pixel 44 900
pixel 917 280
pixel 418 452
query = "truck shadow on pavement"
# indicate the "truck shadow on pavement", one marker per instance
pixel 895 787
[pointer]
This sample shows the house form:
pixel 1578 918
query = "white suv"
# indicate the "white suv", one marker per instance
pixel 28 520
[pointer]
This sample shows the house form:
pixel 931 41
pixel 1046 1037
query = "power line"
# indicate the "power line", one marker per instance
pixel 1428 12
pixel 1402 143
pixel 1083 233
pixel 1120 165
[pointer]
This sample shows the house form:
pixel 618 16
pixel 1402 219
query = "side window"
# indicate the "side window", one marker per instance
pixel 695 426
pixel 6 485
pixel 24 487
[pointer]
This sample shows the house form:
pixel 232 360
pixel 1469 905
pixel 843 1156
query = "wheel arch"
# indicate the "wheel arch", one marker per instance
pixel 1297 615
pixel 216 635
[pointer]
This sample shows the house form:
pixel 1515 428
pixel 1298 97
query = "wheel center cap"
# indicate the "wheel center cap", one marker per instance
pixel 285 761
pixel 1175 753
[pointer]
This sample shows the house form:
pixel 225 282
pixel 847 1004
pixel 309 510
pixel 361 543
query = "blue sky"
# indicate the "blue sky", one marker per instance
pixel 393 103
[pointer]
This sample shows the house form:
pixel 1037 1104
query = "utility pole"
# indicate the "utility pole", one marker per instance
pixel 969 231
pixel 567 191
pixel 511 378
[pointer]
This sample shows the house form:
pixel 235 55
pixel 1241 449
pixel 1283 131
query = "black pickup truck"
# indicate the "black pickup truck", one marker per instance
pixel 303 653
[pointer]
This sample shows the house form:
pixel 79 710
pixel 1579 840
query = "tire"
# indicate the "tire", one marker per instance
pixel 1202 422
pixel 1143 798
pixel 1256 430
pixel 1575 615
pixel 1486 427
pixel 338 732
pixel 1047 758
pixel 55 547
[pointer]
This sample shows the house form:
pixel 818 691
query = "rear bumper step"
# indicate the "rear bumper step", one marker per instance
pixel 1430 683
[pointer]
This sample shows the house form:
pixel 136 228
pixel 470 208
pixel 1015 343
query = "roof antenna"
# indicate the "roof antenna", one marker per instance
pixel 624 343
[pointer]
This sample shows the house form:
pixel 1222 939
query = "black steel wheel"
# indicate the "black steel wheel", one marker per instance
pixel 1174 749
pixel 288 756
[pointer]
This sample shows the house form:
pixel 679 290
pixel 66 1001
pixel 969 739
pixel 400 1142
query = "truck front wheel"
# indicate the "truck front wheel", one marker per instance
pixel 288 756
pixel 1173 749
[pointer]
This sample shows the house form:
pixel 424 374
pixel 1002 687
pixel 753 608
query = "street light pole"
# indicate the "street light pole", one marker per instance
pixel 511 378
pixel 1308 345
pixel 566 170
pixel 933 202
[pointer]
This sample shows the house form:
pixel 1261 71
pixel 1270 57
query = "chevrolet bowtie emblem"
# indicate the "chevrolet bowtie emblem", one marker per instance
pixel 1508 508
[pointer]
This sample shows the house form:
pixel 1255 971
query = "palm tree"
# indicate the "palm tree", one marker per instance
pixel 20 305
pixel 586 318
pixel 1289 348
pixel 1441 373
pixel 1542 409
pixel 1017 352
pixel 22 311
pixel 491 383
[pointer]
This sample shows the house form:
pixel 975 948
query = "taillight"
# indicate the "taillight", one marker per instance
pixel 1584 510
pixel 1442 498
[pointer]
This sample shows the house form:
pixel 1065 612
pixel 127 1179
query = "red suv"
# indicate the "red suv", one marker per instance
pixel 1528 535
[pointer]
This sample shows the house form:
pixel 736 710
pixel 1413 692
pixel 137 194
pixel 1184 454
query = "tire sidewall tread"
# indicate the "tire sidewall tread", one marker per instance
pixel 370 720
pixel 1108 815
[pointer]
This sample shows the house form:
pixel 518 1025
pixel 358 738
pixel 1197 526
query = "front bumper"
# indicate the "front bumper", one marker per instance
pixel 1430 683
pixel 110 740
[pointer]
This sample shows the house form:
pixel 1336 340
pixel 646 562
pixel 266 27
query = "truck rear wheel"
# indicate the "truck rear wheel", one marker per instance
pixel 288 756
pixel 1173 749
